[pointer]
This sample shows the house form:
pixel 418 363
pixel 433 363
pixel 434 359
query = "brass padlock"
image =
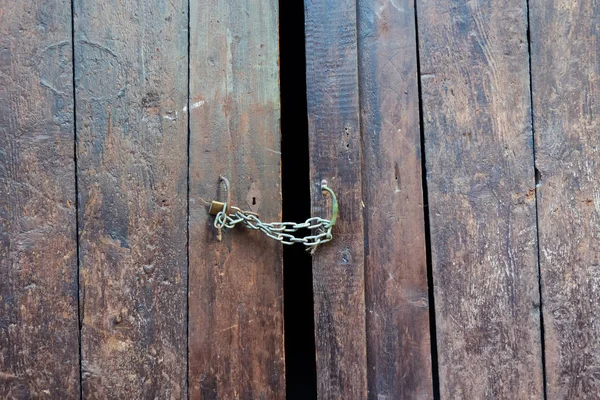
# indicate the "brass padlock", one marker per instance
pixel 215 207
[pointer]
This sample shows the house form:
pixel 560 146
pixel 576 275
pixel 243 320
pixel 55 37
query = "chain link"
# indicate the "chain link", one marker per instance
pixel 320 228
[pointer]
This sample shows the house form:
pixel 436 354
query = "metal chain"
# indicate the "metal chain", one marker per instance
pixel 320 228
pixel 280 231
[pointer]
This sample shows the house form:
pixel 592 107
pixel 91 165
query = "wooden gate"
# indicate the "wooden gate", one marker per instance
pixel 462 140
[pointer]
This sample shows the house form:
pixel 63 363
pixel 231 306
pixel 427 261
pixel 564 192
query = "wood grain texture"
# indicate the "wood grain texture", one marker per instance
pixel 398 338
pixel 565 60
pixel 131 80
pixel 38 263
pixel 480 176
pixel 236 286
pixel 335 156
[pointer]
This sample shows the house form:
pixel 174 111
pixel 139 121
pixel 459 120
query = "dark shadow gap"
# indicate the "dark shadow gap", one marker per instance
pixel 301 373
pixel 79 316
pixel 432 323
pixel 538 181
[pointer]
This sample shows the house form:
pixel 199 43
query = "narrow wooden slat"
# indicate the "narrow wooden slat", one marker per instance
pixel 236 287
pixel 131 81
pixel 480 176
pixel 398 342
pixel 38 263
pixel 565 62
pixel 335 156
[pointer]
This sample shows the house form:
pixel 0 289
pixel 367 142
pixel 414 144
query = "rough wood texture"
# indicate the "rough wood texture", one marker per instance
pixel 131 77
pixel 335 156
pixel 565 60
pixel 38 263
pixel 398 342
pixel 480 175
pixel 236 288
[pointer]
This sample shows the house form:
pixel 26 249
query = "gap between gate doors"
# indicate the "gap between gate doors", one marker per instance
pixel 300 359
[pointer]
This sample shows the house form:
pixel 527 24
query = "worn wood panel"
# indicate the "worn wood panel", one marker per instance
pixel 480 176
pixel 131 80
pixel 398 338
pixel 565 61
pixel 335 156
pixel 236 287
pixel 38 263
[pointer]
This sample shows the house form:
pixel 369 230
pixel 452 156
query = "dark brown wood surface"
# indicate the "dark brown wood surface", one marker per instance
pixel 480 175
pixel 38 249
pixel 131 81
pixel 335 156
pixel 398 337
pixel 565 58
pixel 141 203
pixel 236 288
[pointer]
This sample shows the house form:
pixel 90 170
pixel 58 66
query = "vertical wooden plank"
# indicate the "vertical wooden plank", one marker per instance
pixel 335 156
pixel 236 288
pixel 131 77
pixel 478 142
pixel 398 342
pixel 38 264
pixel 565 61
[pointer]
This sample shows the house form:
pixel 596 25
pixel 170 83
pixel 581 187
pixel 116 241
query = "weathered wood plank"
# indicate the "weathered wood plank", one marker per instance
pixel 131 80
pixel 398 339
pixel 38 263
pixel 236 288
pixel 480 175
pixel 565 62
pixel 335 156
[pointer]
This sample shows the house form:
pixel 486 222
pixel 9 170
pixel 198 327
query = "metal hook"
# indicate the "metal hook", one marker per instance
pixel 217 206
pixel 334 203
